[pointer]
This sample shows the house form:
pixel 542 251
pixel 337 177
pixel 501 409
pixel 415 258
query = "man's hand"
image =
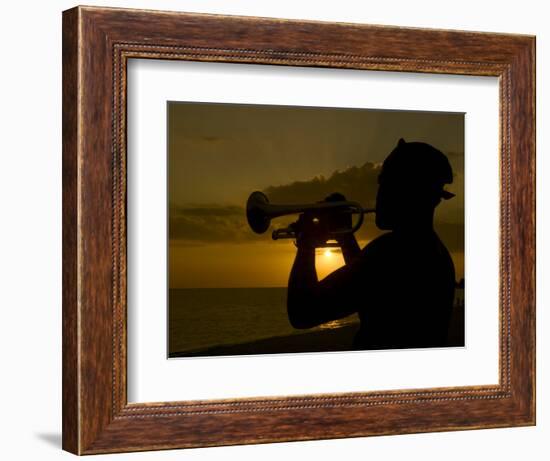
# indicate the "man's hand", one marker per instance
pixel 311 232
pixel 342 221
pixel 338 220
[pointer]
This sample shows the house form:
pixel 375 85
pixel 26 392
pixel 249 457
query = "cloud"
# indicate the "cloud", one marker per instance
pixel 201 224
pixel 209 224
pixel 217 223
pixel 356 183
pixel 205 211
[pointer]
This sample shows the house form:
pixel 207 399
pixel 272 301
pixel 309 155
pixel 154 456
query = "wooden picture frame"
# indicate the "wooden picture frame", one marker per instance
pixel 97 43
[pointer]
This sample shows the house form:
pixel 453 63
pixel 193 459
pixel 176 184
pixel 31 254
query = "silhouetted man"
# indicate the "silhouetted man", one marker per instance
pixel 402 283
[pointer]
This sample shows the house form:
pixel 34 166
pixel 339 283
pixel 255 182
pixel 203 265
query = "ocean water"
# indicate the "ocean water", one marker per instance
pixel 202 318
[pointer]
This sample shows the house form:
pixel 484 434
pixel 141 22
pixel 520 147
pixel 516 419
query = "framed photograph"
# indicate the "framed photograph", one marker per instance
pixel 229 287
pixel 280 230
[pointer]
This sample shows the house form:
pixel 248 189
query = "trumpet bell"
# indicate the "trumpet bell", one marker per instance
pixel 257 218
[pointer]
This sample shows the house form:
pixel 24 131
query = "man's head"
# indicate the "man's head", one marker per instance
pixel 410 186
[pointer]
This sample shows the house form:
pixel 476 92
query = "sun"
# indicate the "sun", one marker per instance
pixel 327 253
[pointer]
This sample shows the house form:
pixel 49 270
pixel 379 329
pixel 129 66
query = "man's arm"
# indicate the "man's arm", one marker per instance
pixel 350 247
pixel 302 288
pixel 311 302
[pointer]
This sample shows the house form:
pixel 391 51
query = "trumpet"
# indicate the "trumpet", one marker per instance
pixel 259 213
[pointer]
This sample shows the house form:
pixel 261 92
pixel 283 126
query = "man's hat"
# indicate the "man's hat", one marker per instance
pixel 419 163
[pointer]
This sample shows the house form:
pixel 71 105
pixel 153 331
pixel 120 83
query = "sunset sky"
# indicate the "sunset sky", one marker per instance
pixel 219 153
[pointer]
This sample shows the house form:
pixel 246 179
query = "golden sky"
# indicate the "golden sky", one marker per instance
pixel 219 153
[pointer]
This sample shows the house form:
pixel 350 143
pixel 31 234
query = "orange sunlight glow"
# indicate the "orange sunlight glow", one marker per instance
pixel 327 260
